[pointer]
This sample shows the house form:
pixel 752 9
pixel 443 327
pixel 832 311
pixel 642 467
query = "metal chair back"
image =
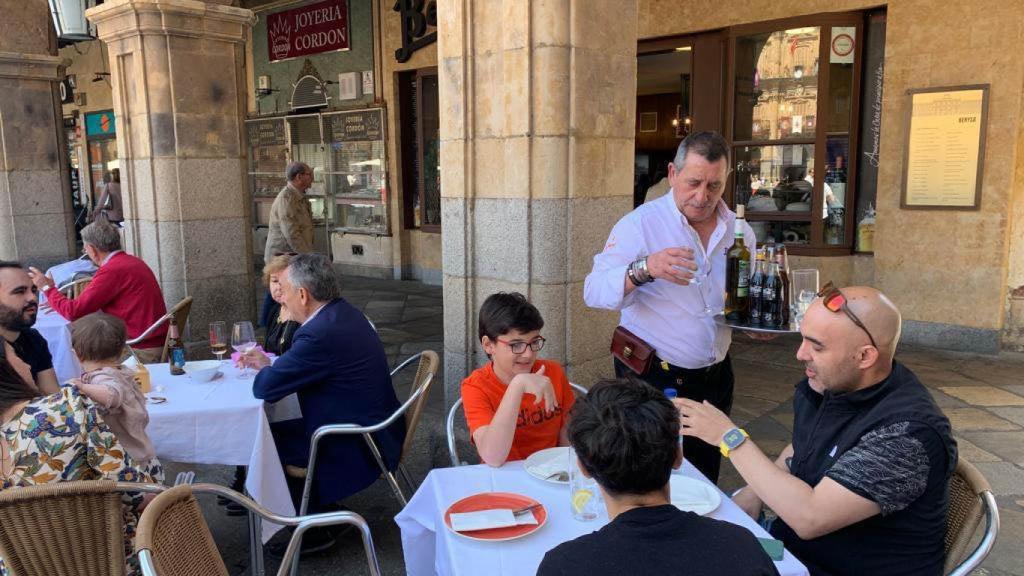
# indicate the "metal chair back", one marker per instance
pixel 179 313
pixel 449 426
pixel 970 499
pixel 173 538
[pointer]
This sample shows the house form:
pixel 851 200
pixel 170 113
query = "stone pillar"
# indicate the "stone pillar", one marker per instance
pixel 537 122
pixel 179 88
pixel 35 198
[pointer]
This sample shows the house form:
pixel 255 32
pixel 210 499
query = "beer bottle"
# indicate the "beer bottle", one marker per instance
pixel 770 297
pixel 786 296
pixel 756 283
pixel 737 274
pixel 175 351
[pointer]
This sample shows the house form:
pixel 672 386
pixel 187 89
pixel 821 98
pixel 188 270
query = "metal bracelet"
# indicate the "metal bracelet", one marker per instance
pixel 632 276
pixel 645 274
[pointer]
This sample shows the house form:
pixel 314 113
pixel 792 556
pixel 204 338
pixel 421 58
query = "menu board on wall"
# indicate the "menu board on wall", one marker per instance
pixel 945 148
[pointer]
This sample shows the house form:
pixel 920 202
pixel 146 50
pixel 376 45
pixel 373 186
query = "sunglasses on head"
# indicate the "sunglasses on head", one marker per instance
pixel 835 302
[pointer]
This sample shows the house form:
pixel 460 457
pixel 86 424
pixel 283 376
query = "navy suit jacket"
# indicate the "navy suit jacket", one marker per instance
pixel 338 368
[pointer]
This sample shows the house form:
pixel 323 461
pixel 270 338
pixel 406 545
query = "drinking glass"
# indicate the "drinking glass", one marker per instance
pixel 805 289
pixel 584 495
pixel 219 339
pixel 702 272
pixel 243 339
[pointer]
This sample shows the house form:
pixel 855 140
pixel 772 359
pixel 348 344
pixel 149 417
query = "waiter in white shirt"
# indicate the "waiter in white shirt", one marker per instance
pixel 663 267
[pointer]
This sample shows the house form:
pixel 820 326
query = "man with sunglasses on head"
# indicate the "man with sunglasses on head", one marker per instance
pixel 863 488
pixel 663 268
pixel 516 404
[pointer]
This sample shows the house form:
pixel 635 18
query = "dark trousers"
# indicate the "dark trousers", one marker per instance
pixel 714 384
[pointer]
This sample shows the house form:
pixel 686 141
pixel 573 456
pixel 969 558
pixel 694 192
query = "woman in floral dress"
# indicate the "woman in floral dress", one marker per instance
pixel 58 438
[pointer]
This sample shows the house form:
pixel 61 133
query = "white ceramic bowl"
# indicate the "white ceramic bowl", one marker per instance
pixel 202 370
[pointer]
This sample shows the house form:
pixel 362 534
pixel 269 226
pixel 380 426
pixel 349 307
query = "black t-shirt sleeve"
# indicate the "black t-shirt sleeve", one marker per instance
pixel 33 349
pixel 890 465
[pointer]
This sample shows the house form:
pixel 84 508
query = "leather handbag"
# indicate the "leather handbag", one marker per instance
pixel 631 350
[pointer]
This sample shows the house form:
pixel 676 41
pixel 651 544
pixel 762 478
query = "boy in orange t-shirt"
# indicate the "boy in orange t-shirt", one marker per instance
pixel 517 404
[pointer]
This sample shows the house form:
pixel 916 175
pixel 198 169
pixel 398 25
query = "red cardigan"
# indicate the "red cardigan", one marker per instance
pixel 124 287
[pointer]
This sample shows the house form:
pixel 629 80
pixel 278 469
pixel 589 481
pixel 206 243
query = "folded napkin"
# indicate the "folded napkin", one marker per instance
pixel 236 355
pixel 558 462
pixel 487 519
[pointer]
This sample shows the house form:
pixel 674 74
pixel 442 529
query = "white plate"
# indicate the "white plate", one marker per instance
pixel 691 495
pixel 547 458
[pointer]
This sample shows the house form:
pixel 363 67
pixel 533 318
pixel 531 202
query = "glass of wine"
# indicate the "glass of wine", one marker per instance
pixel 219 339
pixel 243 339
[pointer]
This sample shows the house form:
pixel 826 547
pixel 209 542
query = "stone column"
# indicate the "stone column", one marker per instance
pixel 179 88
pixel 537 123
pixel 35 198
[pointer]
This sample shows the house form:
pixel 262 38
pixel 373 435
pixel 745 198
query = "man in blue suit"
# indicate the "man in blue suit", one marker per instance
pixel 338 368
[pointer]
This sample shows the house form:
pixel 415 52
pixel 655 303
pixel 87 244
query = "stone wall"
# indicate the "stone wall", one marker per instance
pixel 941 267
pixel 537 109
pixel 35 197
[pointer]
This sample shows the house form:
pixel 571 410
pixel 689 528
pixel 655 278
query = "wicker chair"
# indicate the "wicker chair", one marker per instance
pixel 179 313
pixel 970 498
pixel 87 517
pixel 449 428
pixel 173 538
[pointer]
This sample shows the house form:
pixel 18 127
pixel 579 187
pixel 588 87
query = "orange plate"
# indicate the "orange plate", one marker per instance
pixel 493 501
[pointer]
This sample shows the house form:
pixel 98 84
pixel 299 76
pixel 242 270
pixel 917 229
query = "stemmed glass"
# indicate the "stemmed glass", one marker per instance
pixel 219 339
pixel 243 339
pixel 702 272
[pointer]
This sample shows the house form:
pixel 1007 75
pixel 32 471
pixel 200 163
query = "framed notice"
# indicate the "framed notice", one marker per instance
pixel 945 148
pixel 310 29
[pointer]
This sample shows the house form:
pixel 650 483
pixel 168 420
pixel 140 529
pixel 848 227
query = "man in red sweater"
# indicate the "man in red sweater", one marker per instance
pixel 124 286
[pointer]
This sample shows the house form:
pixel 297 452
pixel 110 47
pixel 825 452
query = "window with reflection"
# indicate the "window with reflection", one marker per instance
pixel 793 103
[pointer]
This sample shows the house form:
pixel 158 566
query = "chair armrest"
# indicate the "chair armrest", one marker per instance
pixel 149 331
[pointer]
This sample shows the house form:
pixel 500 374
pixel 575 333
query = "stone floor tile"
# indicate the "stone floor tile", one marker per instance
pixel 1014 414
pixel 1006 478
pixel 784 418
pixel 1006 557
pixel 984 395
pixel 973 454
pixel 747 408
pixel 1017 389
pixel 964 419
pixel 946 401
pixel 1007 446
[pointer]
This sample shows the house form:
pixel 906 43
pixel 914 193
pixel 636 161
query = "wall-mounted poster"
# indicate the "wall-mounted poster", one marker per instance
pixel 945 148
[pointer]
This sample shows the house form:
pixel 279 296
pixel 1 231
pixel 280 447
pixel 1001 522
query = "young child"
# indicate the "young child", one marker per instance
pixel 516 404
pixel 99 340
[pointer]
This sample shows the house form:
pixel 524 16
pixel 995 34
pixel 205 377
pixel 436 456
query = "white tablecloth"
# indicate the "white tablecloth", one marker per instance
pixel 57 332
pixel 430 548
pixel 219 422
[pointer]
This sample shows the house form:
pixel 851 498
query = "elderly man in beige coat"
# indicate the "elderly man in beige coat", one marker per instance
pixel 291 219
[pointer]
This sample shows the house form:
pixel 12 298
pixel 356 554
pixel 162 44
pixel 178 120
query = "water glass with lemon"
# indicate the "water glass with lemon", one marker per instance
pixel 584 495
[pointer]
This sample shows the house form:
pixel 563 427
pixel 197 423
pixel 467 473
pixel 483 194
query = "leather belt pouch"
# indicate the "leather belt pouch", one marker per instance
pixel 631 350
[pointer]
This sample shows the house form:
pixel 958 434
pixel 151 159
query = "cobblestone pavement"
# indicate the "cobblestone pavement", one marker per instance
pixel 982 395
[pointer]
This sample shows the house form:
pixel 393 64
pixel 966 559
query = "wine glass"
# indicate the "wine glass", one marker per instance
pixel 700 275
pixel 243 339
pixel 219 339
pixel 805 286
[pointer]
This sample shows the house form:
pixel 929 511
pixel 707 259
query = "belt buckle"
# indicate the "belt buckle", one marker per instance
pixel 664 366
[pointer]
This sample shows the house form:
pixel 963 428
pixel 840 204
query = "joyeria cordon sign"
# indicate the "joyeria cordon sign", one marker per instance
pixel 311 29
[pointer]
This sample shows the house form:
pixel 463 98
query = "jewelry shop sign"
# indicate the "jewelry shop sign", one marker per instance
pixel 310 29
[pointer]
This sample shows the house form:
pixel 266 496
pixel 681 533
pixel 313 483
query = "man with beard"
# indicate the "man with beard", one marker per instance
pixel 18 308
pixel 863 488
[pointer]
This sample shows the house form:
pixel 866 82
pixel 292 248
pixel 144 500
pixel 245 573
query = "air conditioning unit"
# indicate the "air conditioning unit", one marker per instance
pixel 69 19
pixel 309 92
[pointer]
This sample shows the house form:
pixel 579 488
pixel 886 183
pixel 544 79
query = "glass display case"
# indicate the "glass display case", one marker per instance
pixel 356 169
pixel 346 151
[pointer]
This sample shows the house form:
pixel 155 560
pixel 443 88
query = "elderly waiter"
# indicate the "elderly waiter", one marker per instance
pixel 663 267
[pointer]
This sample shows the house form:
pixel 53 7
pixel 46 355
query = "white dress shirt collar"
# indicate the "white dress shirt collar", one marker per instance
pixel 109 256
pixel 313 315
